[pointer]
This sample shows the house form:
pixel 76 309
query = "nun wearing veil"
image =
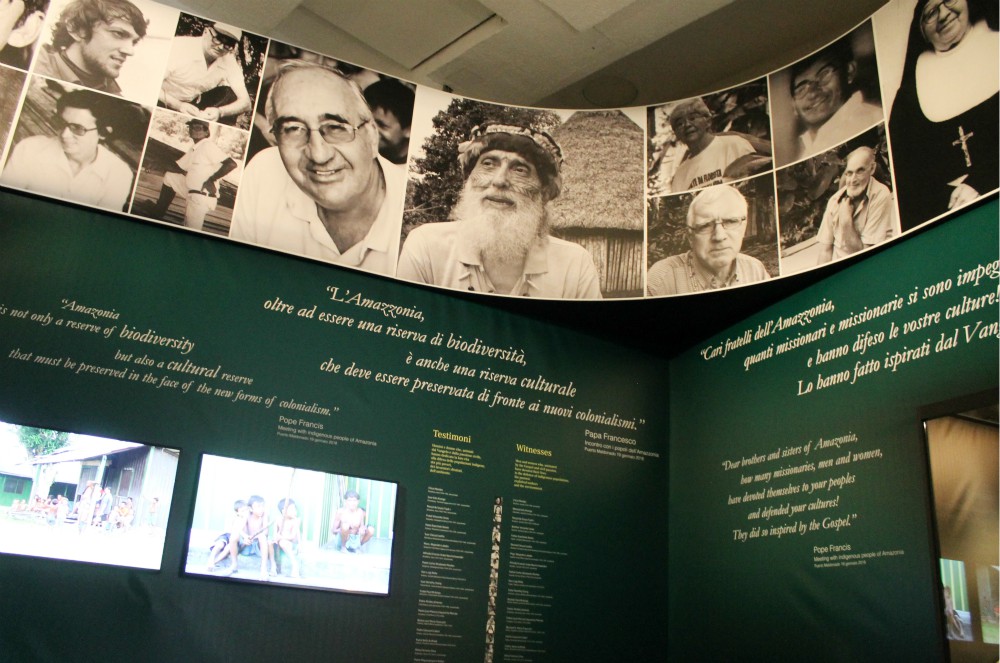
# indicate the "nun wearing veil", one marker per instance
pixel 943 124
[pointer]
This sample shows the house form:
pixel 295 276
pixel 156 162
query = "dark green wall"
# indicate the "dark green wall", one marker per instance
pixel 607 517
pixel 620 592
pixel 770 598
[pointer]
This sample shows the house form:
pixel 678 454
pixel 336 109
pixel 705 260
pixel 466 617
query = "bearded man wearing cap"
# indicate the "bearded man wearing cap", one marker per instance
pixel 498 239
pixel 322 191
pixel 203 77
pixel 195 179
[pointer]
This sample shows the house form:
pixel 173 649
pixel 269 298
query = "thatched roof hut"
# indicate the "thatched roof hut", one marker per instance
pixel 602 173
pixel 601 206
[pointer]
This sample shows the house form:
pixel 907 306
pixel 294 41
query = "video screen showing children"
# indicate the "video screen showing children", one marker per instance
pixel 83 498
pixel 257 522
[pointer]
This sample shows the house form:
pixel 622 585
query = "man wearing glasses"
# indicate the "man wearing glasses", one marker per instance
pixel 323 191
pixel 73 165
pixel 711 158
pixel 204 78
pixel 716 223
pixel 829 107
pixel 91 42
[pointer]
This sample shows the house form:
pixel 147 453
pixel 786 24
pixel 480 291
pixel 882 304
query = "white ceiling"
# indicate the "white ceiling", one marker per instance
pixel 556 53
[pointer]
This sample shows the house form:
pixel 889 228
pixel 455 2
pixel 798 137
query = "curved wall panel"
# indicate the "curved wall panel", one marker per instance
pixel 886 128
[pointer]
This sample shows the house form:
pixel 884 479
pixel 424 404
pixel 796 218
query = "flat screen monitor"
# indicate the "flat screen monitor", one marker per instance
pixel 66 495
pixel 281 525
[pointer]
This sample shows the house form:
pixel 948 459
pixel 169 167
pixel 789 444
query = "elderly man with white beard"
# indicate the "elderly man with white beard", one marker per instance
pixel 498 239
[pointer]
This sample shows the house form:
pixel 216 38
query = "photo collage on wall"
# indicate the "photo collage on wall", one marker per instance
pixel 194 123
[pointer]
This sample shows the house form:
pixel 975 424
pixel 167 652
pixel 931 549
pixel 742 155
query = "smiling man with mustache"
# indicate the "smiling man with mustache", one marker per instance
pixel 323 191
pixel 498 240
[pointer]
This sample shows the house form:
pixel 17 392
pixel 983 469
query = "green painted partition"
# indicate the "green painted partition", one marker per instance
pixel 799 518
pixel 211 348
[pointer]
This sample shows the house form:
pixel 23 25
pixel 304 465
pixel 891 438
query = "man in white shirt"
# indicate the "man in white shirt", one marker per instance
pixel 196 180
pixel 73 164
pixel 323 191
pixel 498 240
pixel 711 158
pixel 204 78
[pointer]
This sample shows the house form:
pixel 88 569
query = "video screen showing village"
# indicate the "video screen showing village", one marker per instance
pixel 255 522
pixel 83 498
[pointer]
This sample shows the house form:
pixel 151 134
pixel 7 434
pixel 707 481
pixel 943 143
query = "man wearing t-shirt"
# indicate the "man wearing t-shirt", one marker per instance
pixel 91 41
pixel 710 158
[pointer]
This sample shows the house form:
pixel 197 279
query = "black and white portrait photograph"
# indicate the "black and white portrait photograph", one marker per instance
pixel 322 190
pixel 76 144
pixel 715 138
pixel 20 28
pixel 390 100
pixel 718 237
pixel 190 172
pixel 826 97
pixel 114 46
pixel 522 201
pixel 941 77
pixel 12 82
pixel 213 71
pixel 836 203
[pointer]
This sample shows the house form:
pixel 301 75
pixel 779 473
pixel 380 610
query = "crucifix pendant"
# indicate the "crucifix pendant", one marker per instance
pixel 963 141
